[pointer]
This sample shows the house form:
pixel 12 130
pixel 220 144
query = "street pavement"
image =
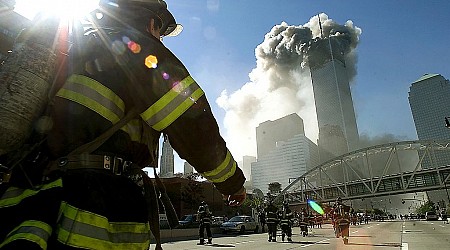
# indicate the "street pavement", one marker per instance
pixel 404 235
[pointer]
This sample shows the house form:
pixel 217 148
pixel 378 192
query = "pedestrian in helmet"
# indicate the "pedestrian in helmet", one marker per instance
pixel 204 217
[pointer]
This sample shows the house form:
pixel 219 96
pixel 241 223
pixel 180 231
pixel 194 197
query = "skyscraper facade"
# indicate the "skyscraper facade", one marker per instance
pixel 284 152
pixel 188 168
pixel 429 99
pixel 167 159
pixel 246 166
pixel 430 104
pixel 289 160
pixel 338 132
pixel 269 133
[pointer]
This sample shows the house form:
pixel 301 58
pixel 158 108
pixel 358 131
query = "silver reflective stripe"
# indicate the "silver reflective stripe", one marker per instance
pixel 224 171
pixel 41 233
pixel 95 95
pixel 84 229
pixel 102 233
pixel 14 196
pixel 34 231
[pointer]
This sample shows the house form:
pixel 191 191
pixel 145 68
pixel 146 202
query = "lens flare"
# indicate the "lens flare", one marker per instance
pixel 134 47
pixel 316 207
pixel 151 62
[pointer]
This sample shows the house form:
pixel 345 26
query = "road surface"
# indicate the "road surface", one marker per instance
pixel 404 235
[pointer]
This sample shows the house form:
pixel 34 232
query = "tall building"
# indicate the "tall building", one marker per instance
pixel 246 166
pixel 430 104
pixel 338 132
pixel 284 152
pixel 167 159
pixel 269 133
pixel 188 168
pixel 289 160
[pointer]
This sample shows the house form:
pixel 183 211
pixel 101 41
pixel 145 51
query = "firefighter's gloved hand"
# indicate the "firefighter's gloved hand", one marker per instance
pixel 236 199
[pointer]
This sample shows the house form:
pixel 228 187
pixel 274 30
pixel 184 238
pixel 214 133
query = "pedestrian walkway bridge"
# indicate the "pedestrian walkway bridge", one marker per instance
pixel 388 169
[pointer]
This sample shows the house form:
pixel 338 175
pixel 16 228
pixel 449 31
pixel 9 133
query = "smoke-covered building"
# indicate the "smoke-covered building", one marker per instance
pixel 167 159
pixel 269 133
pixel 246 166
pixel 429 102
pixel 338 132
pixel 289 160
pixel 287 153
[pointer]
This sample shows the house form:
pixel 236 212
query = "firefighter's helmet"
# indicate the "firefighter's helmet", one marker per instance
pixel 138 9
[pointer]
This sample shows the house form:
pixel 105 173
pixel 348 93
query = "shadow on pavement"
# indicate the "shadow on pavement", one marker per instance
pixel 305 242
pixel 376 245
pixel 217 245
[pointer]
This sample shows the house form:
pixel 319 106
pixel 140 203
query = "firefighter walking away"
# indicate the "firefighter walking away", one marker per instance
pixel 204 217
pixel 286 217
pixel 272 220
pixel 123 89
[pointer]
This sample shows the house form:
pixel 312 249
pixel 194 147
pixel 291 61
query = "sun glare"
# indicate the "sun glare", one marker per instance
pixel 66 9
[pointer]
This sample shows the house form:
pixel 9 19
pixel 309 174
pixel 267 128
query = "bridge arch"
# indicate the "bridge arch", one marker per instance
pixel 386 169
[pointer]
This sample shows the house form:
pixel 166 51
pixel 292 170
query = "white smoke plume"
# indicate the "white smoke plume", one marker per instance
pixel 281 84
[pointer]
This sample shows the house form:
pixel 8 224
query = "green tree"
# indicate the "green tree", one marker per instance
pixel 274 188
pixel 192 193
pixel 427 207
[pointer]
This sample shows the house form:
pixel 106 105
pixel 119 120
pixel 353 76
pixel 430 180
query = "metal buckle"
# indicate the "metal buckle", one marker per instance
pixel 118 165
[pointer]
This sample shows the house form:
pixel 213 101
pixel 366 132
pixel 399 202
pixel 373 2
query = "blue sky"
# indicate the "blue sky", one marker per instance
pixel 399 42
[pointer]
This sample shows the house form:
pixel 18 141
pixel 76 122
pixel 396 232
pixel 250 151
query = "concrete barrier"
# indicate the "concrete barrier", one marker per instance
pixel 168 235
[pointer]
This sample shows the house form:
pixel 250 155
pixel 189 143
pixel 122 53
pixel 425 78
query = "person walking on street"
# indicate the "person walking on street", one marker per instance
pixel 286 217
pixel 272 220
pixel 204 217
pixel 262 220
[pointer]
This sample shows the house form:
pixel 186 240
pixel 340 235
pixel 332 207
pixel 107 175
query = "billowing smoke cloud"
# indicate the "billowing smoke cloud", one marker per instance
pixel 281 84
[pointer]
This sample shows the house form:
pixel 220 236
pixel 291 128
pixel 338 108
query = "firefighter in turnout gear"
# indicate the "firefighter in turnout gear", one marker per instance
pixel 204 217
pixel 121 75
pixel 341 220
pixel 272 220
pixel 286 217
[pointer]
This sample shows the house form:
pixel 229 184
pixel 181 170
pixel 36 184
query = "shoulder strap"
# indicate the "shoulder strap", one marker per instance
pixel 97 142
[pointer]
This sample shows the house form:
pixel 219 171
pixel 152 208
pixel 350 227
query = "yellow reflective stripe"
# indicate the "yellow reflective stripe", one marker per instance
pixel 167 98
pixel 84 229
pixel 224 171
pixel 185 105
pixel 100 88
pixel 14 196
pixel 89 103
pixel 173 104
pixel 93 95
pixel 31 230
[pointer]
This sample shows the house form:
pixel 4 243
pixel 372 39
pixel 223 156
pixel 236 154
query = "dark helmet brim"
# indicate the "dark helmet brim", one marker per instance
pixel 143 7
pixel 169 26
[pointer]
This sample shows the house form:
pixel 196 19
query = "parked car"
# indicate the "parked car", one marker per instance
pixel 189 220
pixel 431 216
pixel 217 220
pixel 240 224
